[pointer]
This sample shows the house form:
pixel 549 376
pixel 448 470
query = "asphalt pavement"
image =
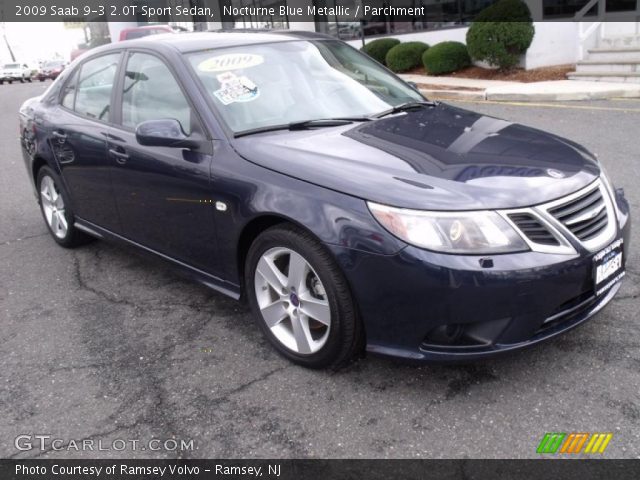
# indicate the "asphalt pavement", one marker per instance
pixel 103 345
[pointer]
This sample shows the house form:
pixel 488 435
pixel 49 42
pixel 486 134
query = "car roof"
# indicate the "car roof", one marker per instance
pixel 194 41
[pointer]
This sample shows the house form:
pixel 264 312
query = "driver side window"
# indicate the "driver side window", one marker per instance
pixel 152 93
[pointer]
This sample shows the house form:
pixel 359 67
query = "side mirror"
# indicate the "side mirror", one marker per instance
pixel 164 133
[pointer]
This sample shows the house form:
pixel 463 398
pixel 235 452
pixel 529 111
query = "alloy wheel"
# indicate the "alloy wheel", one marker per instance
pixel 53 207
pixel 292 300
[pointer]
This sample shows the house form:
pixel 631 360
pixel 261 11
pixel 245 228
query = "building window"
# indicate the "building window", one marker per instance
pixel 565 8
pixel 437 14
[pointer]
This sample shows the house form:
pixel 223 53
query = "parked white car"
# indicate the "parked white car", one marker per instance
pixel 15 71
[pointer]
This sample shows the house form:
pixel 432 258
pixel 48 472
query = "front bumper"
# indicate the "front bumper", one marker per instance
pixel 426 306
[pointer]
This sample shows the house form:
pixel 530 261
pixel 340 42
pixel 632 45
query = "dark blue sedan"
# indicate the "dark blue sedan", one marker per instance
pixel 349 211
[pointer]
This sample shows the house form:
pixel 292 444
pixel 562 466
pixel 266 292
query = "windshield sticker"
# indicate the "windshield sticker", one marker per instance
pixel 230 61
pixel 235 89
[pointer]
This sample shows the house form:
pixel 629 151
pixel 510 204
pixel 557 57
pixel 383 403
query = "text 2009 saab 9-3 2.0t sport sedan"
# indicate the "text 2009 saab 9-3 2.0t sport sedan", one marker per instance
pixel 351 212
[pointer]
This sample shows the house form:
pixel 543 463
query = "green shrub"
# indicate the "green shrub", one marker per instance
pixel 378 48
pixel 501 33
pixel 505 11
pixel 405 56
pixel 446 57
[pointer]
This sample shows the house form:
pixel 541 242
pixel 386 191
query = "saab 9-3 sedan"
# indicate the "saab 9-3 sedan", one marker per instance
pixel 350 212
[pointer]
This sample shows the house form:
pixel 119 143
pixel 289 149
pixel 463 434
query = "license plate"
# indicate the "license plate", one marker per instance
pixel 608 267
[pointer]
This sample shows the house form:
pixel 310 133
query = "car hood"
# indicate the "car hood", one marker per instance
pixel 439 158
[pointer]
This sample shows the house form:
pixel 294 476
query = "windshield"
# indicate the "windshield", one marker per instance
pixel 278 83
pixel 12 65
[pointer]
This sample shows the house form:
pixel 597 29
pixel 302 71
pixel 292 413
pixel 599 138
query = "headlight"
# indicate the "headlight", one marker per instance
pixel 477 233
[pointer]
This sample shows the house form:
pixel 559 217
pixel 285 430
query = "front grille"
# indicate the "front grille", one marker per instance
pixel 533 229
pixel 586 216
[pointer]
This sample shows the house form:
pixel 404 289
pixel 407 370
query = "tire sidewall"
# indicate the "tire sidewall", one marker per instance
pixel 326 271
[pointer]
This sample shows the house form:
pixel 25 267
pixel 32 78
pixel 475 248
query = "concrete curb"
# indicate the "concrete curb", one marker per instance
pixel 453 94
pixel 549 91
pixel 549 94
pixel 560 97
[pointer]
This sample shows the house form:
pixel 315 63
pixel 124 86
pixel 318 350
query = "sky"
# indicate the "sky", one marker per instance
pixel 36 41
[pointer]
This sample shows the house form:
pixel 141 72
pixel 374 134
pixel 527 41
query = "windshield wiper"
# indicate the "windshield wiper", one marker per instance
pixel 303 125
pixel 403 107
pixel 326 122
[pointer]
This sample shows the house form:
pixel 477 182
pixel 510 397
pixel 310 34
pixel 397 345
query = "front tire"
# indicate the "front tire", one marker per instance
pixel 301 300
pixel 56 210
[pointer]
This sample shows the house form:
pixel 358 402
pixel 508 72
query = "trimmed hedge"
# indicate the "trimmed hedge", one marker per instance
pixel 405 56
pixel 501 33
pixel 505 11
pixel 378 48
pixel 446 57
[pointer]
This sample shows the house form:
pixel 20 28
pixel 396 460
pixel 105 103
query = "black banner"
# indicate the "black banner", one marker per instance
pixel 449 12
pixel 318 469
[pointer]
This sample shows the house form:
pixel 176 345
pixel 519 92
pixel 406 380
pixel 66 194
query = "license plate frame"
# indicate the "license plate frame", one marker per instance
pixel 608 267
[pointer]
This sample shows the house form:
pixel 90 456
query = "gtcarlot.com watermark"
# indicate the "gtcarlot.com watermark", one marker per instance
pixel 27 442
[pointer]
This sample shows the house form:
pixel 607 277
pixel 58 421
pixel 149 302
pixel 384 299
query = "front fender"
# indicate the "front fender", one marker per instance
pixel 251 191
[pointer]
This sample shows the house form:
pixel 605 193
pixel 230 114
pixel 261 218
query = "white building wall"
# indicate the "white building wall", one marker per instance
pixel 555 43
pixel 612 29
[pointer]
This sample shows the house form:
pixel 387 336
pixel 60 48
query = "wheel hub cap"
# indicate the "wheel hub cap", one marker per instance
pixel 295 301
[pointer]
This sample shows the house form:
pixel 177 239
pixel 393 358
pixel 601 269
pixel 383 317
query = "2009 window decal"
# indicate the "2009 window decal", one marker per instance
pixel 230 61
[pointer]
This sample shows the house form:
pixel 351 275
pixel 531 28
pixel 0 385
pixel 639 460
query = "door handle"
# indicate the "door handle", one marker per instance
pixel 120 157
pixel 59 135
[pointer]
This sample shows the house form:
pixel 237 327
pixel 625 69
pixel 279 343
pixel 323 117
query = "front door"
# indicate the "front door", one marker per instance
pixel 162 193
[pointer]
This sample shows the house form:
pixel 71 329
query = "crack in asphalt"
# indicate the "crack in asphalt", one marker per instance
pixel 244 386
pixel 21 239
pixel 84 286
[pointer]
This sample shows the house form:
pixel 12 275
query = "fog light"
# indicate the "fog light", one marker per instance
pixel 445 334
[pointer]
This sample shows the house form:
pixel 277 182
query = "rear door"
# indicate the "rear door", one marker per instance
pixel 78 138
pixel 163 194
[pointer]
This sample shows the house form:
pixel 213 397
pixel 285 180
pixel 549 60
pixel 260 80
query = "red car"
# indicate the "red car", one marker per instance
pixel 138 32
pixel 51 70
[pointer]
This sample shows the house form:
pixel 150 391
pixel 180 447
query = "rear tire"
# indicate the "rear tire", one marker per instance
pixel 56 210
pixel 21 79
pixel 301 300
pixel 29 79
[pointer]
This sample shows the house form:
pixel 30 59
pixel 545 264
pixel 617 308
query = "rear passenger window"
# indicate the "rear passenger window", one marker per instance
pixel 93 96
pixel 152 93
